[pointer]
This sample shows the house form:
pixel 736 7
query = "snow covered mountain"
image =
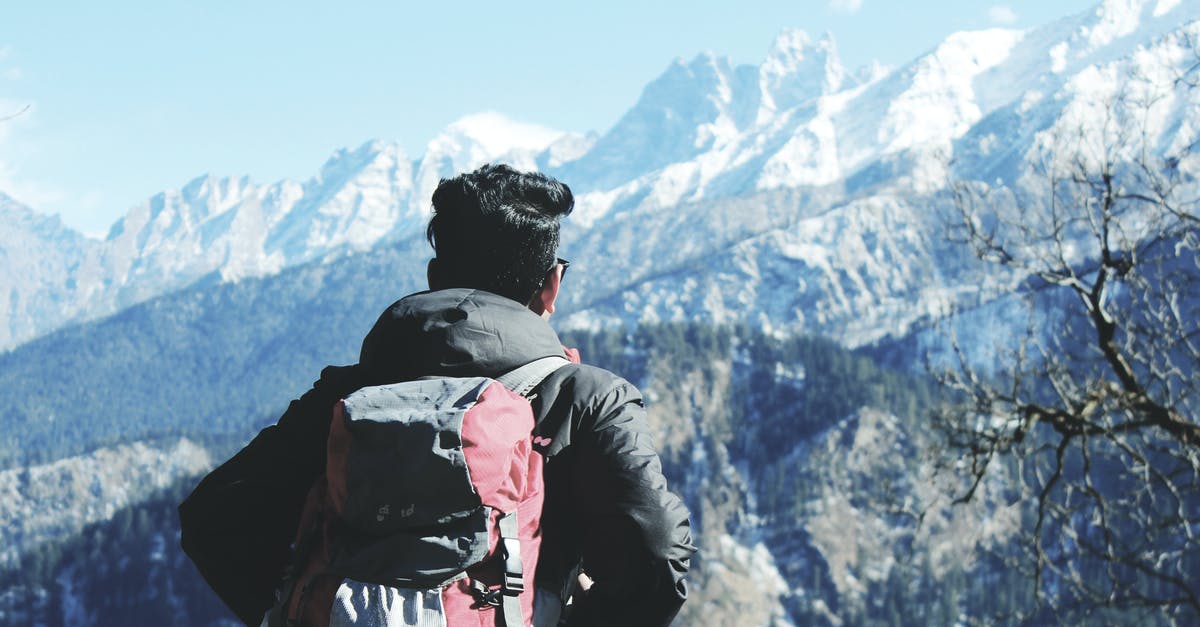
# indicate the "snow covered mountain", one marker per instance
pixel 707 138
pixel 40 259
pixel 800 119
pixel 227 229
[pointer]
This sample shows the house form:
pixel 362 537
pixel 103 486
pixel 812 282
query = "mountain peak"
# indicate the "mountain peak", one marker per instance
pixel 790 41
pixel 345 163
pixel 208 184
pixel 684 82
pixel 1111 29
pixel 797 69
pixel 1113 19
pixel 17 216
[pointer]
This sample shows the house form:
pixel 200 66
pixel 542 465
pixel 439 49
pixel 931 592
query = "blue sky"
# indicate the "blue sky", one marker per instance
pixel 130 98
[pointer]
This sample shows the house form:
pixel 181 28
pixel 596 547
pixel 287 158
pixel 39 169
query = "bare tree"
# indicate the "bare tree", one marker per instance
pixel 1093 410
pixel 5 118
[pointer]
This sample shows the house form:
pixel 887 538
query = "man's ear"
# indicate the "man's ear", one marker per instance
pixel 543 300
pixel 433 274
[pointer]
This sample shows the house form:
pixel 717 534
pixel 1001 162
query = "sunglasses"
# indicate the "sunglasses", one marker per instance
pixel 559 261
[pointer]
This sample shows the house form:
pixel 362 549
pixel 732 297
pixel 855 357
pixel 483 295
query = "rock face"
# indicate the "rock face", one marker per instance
pixel 40 260
pixel 801 463
pixel 222 230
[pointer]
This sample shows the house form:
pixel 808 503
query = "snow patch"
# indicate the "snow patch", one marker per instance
pixel 939 103
pixel 1058 57
pixel 50 502
pixel 1163 7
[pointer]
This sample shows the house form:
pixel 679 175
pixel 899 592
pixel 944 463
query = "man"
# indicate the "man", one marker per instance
pixel 608 518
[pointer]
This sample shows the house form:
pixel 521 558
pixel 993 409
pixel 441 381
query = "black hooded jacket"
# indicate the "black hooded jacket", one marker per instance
pixel 607 506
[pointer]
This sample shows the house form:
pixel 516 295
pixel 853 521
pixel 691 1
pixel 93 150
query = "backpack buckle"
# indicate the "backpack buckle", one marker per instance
pixel 486 596
pixel 514 576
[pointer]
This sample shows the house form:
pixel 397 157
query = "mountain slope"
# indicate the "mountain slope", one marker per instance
pixel 41 261
pixel 976 106
pixel 214 350
pixel 229 229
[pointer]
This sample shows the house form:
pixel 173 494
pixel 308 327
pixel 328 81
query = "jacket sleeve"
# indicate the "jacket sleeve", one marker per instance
pixel 637 541
pixel 238 524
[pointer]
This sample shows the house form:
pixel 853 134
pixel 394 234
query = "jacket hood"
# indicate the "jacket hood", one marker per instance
pixel 457 333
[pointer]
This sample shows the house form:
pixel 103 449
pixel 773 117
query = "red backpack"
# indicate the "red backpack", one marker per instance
pixel 429 510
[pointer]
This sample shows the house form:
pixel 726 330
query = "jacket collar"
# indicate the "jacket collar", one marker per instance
pixel 455 332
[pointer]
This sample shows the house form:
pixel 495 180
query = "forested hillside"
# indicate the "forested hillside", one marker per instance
pixel 201 362
pixel 729 392
pixel 812 475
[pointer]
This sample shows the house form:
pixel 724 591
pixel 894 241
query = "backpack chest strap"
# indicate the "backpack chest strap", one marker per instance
pixel 514 574
pixel 508 596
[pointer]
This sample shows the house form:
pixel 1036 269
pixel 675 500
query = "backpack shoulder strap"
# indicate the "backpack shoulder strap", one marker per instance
pixel 522 380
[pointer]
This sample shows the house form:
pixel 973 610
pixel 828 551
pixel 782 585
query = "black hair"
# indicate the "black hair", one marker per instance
pixel 496 229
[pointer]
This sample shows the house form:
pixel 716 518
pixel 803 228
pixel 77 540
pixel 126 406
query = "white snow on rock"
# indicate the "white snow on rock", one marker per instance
pixel 976 106
pixel 51 502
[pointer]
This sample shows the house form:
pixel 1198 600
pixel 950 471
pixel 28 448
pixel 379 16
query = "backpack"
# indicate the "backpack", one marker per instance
pixel 429 511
